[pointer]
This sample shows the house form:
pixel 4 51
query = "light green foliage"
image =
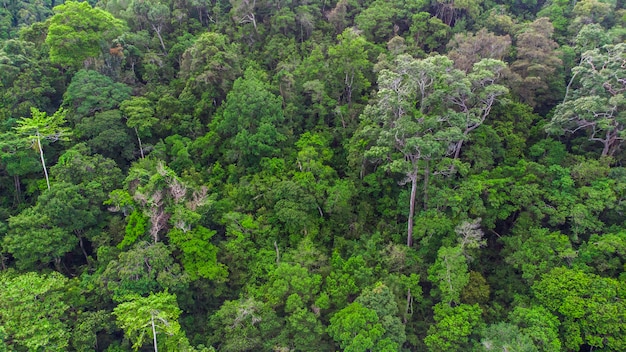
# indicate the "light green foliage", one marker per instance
pixel 540 325
pixel 603 254
pixel 32 311
pixel 39 128
pixel 453 327
pixel 349 57
pixel 381 300
pixel 210 66
pixel 538 252
pixel 450 273
pixel 595 103
pixel 139 315
pixel 287 280
pixel 77 32
pixel 347 278
pixel 199 255
pixel 503 337
pixel 591 308
pixel 357 329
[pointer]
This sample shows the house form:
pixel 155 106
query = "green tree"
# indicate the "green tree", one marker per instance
pixel 596 103
pixel 540 325
pixel 78 33
pixel 244 325
pixel 250 121
pixel 450 273
pixel 139 113
pixel 32 311
pixel 40 127
pixel 404 126
pixel 453 327
pixel 506 337
pixel 358 329
pixel 144 318
pixel 590 307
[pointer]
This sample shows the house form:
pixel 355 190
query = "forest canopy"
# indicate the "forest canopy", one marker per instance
pixel 351 175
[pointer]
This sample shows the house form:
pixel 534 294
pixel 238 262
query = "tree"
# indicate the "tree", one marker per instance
pixel 540 325
pixel 250 120
pixel 450 273
pixel 468 49
pixel 506 337
pixel 40 127
pixel 145 317
pixel 32 311
pixel 357 329
pixel 590 307
pixel 596 103
pixel 78 33
pixel 244 325
pixel 139 113
pixel 33 239
pixel 405 127
pixel 536 80
pixel 453 327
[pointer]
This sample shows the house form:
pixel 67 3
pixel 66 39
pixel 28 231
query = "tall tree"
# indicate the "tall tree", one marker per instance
pixel 79 33
pixel 41 127
pixel 596 104
pixel 143 318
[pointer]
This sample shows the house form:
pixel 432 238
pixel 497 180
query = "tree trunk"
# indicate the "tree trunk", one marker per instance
pixel 18 189
pixel 43 162
pixel 457 149
pixel 156 349
pixel 139 140
pixel 426 178
pixel 409 237
pixel 158 33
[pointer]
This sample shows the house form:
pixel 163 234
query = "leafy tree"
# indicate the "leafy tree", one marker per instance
pixel 536 65
pixel 357 328
pixel 540 325
pixel 143 269
pixel 244 325
pixel 594 106
pixel 453 327
pixel 78 33
pixel 91 92
pixel 249 120
pixel 450 273
pixel 41 127
pixel 32 311
pixel 506 337
pixel 145 317
pixel 588 306
pixel 139 113
pixel 405 130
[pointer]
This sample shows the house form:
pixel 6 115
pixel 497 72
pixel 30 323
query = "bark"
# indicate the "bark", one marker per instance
pixel 43 162
pixel 409 237
pixel 154 333
pixel 139 140
pixel 426 179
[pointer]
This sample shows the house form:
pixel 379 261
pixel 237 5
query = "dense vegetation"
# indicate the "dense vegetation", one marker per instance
pixel 357 175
